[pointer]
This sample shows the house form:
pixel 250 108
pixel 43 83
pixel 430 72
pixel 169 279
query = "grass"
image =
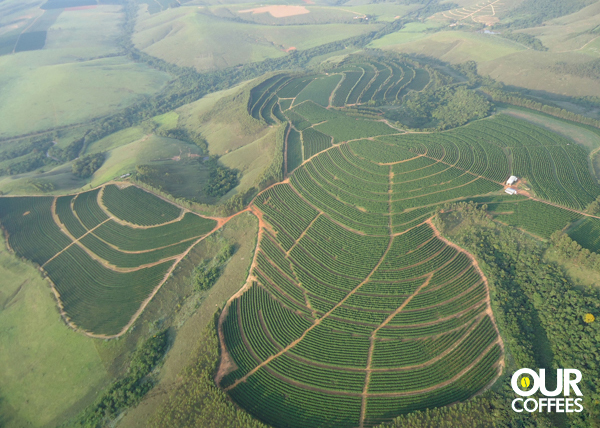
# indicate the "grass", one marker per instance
pixel 116 140
pixel 451 46
pixel 196 311
pixel 167 121
pixel 184 178
pixel 221 118
pixel 36 96
pixel 188 37
pixel 570 32
pixel 123 159
pixel 49 372
pixel 580 275
pixel 64 83
pixel 252 159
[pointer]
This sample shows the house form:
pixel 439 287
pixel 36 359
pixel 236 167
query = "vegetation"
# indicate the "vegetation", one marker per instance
pixel 129 390
pixel 352 280
pixel 500 95
pixel 302 277
pixel 594 207
pixel 86 166
pixel 449 107
pixel 197 401
pixel 536 303
pixel 294 150
pixel 531 13
pixel 377 194
pixel 206 274
pixel 525 39
pixel 96 293
pixel 220 178
pixel 137 206
pixel 274 172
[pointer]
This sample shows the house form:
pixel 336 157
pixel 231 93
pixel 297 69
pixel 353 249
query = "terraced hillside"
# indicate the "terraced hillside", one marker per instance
pixel 106 251
pixel 550 167
pixel 356 310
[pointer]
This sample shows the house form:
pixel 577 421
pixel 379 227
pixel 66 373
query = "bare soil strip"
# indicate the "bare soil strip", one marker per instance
pixel 287 253
pixel 58 223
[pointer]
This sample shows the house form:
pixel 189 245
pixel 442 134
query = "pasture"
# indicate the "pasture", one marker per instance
pixel 127 153
pixel 106 251
pixel 52 95
pixel 206 41
pixel 49 371
pixel 41 89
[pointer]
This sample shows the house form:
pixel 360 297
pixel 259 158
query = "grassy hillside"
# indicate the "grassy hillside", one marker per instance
pixel 187 36
pixel 68 81
pixel 458 35
pixel 49 372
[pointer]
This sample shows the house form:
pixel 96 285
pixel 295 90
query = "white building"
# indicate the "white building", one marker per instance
pixel 511 191
pixel 512 180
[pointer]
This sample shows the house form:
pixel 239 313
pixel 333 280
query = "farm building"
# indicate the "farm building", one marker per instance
pixel 511 191
pixel 512 180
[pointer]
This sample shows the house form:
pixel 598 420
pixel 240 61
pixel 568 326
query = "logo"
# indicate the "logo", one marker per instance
pixel 526 382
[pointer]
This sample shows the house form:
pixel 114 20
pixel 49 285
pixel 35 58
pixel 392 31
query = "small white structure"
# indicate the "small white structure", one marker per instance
pixel 512 180
pixel 511 191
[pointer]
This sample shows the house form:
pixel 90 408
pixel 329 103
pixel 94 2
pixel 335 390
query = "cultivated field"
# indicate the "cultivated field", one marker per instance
pixel 356 310
pixel 106 251
pixel 363 309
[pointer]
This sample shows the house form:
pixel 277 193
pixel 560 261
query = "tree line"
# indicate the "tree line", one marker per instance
pixel 129 389
pixel 498 94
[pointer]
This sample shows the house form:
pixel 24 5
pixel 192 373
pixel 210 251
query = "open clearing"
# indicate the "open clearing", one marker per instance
pixel 187 37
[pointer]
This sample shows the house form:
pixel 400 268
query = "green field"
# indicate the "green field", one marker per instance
pixel 206 41
pixel 354 297
pixel 367 270
pixel 68 81
pixel 103 279
pixel 49 371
